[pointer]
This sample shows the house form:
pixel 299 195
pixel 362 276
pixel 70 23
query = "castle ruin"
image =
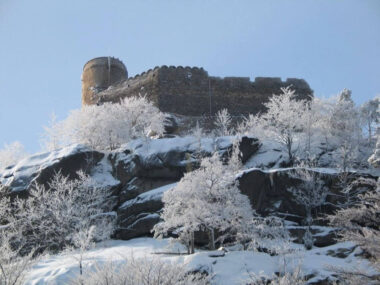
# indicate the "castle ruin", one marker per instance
pixel 187 91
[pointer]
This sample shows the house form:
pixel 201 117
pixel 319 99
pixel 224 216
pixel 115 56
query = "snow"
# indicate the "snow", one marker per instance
pixel 24 170
pixel 154 194
pixel 321 170
pixel 146 217
pixel 269 155
pixel 102 174
pixel 230 269
pixel 148 149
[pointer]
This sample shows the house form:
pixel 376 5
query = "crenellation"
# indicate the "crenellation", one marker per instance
pixel 190 91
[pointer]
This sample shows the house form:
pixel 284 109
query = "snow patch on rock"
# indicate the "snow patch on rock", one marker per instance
pixel 154 194
pixel 26 169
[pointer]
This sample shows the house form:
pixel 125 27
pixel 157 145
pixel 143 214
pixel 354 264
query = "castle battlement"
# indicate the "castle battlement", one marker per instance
pixel 189 91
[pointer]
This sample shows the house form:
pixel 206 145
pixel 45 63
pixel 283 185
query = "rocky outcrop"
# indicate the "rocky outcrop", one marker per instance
pixel 142 166
pixel 141 171
pixel 130 172
pixel 41 167
pixel 267 191
pixel 137 217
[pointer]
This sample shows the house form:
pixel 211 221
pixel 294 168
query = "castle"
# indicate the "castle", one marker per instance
pixel 187 91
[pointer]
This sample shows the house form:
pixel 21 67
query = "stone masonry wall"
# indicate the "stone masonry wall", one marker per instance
pixel 187 91
pixel 100 73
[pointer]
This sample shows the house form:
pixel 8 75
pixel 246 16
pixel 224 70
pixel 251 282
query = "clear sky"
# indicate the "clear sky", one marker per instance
pixel 44 45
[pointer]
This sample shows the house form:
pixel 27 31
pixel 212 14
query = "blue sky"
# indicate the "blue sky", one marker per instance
pixel 44 44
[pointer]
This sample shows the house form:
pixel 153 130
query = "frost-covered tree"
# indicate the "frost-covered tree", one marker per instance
pixel 11 154
pixel 283 121
pixel 316 128
pixel 266 234
pixel 223 123
pixel 370 114
pixel 109 125
pixel 310 193
pixel 345 120
pixel 206 199
pixel 340 122
pixel 68 213
pixel 198 133
pixel 13 265
pixel 375 157
pixel 360 224
pixel 285 118
pixel 322 110
pixel 50 139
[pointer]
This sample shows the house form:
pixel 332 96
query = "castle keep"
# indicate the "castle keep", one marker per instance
pixel 187 91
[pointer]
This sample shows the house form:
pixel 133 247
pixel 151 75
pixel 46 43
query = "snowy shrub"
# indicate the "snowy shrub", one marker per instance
pixel 13 265
pixel 266 234
pixel 308 129
pixel 345 120
pixel 142 271
pixel 198 133
pixel 109 125
pixel 308 239
pixel 294 277
pixel 370 116
pixel 223 123
pixel 69 213
pixel 360 224
pixel 206 199
pixel 310 193
pixel 283 121
pixel 375 157
pixel 52 136
pixel 11 154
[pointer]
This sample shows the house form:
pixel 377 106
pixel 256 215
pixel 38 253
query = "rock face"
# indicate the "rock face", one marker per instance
pixel 267 191
pixel 140 172
pixel 130 172
pixel 137 217
pixel 41 167
pixel 141 168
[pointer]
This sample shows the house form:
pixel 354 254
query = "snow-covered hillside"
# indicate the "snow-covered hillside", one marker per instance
pixel 226 268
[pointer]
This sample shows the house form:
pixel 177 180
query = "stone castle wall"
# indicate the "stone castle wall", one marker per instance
pixel 190 91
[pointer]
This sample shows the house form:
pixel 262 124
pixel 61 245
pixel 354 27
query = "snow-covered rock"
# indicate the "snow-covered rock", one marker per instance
pixel 267 190
pixel 137 217
pixel 41 167
pixel 131 172
pixel 142 165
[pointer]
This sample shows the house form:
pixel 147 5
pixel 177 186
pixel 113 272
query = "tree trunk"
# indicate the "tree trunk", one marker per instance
pixel 289 148
pixel 212 239
pixel 369 133
pixel 309 216
pixel 192 243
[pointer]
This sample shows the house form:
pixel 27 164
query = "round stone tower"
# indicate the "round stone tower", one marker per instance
pixel 100 73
